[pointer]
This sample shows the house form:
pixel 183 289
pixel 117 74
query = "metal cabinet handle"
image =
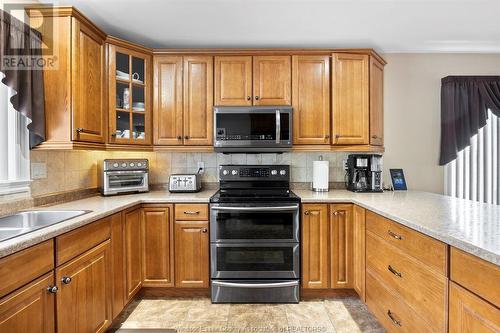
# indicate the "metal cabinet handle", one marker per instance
pixel 393 271
pixel 327 136
pixel 257 98
pixel 306 212
pixel 179 137
pixel 394 235
pixel 186 137
pixel 335 213
pixel 394 320
pixel 249 98
pixel 204 230
pixel 66 279
pixel 374 137
pixel 52 289
pixel 83 130
pixel 192 212
pixel 337 136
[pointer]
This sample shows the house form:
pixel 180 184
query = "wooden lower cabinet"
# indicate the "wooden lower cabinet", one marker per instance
pixel 315 257
pixel 191 254
pixel 133 252
pixel 84 292
pixel 341 249
pixel 118 264
pixel 359 250
pixel 157 246
pixel 29 309
pixel 470 314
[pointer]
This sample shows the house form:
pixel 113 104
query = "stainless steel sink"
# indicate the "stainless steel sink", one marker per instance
pixel 25 222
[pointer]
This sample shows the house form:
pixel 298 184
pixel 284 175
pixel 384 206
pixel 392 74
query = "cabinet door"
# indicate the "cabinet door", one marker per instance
pixel 87 84
pixel 311 99
pixel 341 248
pixel 376 103
pixel 359 245
pixel 272 82
pixel 167 100
pixel 470 314
pixel 350 84
pixel 191 254
pixel 157 243
pixel 133 252
pixel 118 264
pixel 198 100
pixel 315 263
pixel 29 309
pixel 233 80
pixel 84 295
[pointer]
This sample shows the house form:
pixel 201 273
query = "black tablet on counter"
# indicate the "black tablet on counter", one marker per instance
pixel 398 179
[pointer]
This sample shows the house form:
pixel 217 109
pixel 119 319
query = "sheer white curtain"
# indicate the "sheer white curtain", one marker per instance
pixel 14 146
pixel 475 174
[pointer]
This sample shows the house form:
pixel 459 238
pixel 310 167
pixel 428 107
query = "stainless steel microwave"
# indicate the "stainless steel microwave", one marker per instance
pixel 252 128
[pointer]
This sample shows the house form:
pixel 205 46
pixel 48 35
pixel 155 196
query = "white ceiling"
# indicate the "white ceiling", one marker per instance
pixel 386 25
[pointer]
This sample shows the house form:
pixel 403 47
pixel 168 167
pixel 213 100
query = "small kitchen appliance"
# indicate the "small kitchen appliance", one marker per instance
pixel 252 129
pixel 118 176
pixel 254 236
pixel 184 183
pixel 364 173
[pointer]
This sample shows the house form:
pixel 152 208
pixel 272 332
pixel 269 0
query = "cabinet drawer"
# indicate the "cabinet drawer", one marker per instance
pixel 423 289
pixel 191 212
pixel 74 243
pixel 475 274
pixel 424 248
pixel 24 266
pixel 469 313
pixel 390 311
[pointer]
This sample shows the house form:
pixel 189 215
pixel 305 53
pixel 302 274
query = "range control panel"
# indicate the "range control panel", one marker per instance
pixel 254 172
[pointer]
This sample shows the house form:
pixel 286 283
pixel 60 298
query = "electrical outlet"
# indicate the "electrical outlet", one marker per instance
pixel 201 167
pixel 344 163
pixel 38 170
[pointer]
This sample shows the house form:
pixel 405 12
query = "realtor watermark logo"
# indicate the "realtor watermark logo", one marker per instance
pixel 27 48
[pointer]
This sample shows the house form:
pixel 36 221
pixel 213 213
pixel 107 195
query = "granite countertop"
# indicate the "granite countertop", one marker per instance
pixel 470 226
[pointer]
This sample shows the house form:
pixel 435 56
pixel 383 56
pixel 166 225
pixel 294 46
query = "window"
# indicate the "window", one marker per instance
pixel 475 173
pixel 14 147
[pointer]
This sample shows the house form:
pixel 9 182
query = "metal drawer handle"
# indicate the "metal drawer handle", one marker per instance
pixel 52 289
pixel 393 271
pixel 306 212
pixel 66 279
pixel 83 130
pixel 192 212
pixel 204 230
pixel 394 235
pixel 394 320
pixel 256 285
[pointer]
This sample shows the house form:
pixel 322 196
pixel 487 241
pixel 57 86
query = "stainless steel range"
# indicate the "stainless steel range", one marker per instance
pixel 254 236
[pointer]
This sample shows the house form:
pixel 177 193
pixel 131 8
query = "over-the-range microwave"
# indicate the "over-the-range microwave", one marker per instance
pixel 252 128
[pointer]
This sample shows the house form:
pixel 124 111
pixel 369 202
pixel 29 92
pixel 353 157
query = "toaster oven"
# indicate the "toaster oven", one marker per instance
pixel 123 176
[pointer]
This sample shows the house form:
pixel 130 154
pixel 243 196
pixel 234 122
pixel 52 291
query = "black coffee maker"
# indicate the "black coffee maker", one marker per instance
pixel 364 173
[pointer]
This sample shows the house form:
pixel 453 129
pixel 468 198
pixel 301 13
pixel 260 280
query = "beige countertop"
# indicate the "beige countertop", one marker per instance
pixel 470 226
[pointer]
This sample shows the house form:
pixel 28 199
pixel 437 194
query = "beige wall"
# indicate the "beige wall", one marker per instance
pixel 412 111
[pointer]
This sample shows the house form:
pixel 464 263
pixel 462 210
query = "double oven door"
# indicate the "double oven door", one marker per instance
pixel 254 241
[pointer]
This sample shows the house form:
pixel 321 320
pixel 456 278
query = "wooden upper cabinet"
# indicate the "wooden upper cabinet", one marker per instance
pixel 30 308
pixel 315 258
pixel 84 292
pixel 167 100
pixel 272 81
pixel 350 99
pixel 191 254
pixel 341 246
pixel 233 80
pixel 158 246
pixel 198 100
pixel 87 84
pixel 133 252
pixel 311 99
pixel 129 92
pixel 376 102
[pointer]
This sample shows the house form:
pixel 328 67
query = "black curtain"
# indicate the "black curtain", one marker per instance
pixel 21 63
pixel 465 101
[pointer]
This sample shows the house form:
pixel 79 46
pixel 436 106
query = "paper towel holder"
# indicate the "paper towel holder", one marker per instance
pixel 324 187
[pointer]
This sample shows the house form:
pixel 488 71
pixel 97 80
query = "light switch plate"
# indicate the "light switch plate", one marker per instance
pixel 38 170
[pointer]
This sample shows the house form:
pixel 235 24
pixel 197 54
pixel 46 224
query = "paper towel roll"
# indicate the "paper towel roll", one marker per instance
pixel 320 176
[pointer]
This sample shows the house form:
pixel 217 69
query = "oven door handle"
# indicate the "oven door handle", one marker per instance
pixel 256 285
pixel 262 209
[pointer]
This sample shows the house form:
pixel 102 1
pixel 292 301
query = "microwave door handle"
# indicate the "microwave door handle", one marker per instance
pixel 278 126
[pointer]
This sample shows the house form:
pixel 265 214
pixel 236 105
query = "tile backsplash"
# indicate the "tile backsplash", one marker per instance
pixel 72 170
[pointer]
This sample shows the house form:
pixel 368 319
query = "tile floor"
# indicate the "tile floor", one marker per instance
pixel 343 314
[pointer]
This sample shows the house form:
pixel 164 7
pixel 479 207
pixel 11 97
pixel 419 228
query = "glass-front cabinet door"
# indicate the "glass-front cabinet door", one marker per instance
pixel 129 96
